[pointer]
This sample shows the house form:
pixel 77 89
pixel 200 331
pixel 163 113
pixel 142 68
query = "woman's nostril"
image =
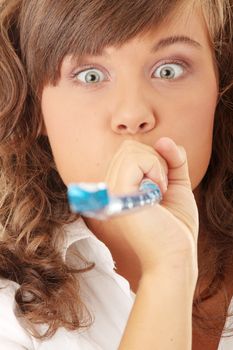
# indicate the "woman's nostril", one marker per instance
pixel 142 125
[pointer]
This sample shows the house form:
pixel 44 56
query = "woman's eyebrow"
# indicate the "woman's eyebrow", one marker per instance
pixel 171 40
pixel 165 42
pixel 175 39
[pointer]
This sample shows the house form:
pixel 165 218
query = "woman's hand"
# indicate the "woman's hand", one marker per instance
pixel 168 230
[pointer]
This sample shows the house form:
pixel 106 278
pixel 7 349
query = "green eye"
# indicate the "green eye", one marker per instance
pixel 90 76
pixel 169 71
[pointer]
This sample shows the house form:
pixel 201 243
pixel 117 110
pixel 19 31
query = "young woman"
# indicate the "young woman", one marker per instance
pixel 116 91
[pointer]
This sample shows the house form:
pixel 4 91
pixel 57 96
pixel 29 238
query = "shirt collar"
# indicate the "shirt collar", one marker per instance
pixel 77 231
pixel 74 232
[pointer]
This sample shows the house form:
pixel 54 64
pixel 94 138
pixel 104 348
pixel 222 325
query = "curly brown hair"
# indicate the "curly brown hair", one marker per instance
pixel 35 36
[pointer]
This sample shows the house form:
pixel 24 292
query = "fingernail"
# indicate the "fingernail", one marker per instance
pixel 165 185
pixel 165 181
pixel 181 153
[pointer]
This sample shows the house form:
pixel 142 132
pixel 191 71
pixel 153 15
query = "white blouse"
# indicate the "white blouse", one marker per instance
pixel 106 294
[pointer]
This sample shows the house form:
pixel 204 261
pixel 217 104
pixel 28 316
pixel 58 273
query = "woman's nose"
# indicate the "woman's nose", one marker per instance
pixel 132 112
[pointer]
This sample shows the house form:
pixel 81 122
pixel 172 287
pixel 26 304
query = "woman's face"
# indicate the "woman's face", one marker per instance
pixel 146 89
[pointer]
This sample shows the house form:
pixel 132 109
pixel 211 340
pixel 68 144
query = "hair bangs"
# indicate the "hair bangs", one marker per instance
pixel 80 28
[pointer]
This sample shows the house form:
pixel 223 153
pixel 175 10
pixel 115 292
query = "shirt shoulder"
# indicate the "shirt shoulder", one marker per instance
pixel 12 334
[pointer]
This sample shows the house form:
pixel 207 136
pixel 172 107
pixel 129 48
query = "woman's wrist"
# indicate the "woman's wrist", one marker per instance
pixel 178 268
pixel 161 317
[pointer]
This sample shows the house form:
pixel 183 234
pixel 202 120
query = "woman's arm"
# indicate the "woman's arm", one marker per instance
pixel 162 314
pixel 164 237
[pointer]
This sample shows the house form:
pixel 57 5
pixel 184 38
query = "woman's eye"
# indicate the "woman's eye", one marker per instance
pixel 90 76
pixel 169 71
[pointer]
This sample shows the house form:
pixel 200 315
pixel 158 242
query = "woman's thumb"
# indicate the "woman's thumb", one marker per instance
pixel 176 159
